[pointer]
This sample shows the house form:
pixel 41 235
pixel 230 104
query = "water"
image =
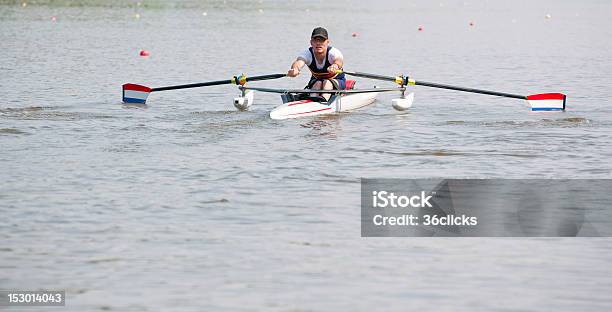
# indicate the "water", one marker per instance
pixel 188 205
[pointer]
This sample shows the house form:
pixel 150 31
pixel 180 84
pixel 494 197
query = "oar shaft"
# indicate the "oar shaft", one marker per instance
pixel 443 86
pixel 218 82
pixel 371 76
pixel 193 85
pixel 434 85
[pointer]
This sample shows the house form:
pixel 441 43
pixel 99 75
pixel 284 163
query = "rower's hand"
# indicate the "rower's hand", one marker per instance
pixel 293 72
pixel 333 69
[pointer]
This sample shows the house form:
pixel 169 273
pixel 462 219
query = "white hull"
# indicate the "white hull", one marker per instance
pixel 307 108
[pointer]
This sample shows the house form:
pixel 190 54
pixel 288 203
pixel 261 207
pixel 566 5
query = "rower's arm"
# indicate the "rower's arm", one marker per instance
pixel 295 67
pixel 338 60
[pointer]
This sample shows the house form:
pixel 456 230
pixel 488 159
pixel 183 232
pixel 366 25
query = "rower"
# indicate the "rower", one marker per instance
pixel 324 62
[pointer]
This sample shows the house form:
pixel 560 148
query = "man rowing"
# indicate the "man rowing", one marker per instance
pixel 324 62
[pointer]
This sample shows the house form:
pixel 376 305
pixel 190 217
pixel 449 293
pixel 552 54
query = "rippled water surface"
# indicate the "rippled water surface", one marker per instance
pixel 188 205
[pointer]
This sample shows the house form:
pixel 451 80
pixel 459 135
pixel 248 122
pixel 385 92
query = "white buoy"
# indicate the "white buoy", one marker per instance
pixel 243 103
pixel 403 103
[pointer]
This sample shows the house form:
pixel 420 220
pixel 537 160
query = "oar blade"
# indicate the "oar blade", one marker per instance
pixel 547 101
pixel 135 94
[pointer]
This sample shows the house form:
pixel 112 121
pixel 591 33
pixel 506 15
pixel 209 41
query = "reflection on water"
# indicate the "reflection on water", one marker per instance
pixel 134 106
pixel 444 153
pixel 559 122
pixel 323 126
pixel 11 131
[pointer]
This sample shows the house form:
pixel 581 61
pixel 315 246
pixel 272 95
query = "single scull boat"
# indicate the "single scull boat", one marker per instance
pixel 299 103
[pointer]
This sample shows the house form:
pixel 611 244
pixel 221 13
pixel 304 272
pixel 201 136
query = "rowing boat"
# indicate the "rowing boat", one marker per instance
pixel 298 103
pixel 314 107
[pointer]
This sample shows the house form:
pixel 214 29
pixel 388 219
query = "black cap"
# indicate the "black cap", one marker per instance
pixel 319 32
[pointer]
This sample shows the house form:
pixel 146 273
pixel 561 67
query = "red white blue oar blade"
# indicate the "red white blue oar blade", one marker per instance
pixel 133 93
pixel 547 101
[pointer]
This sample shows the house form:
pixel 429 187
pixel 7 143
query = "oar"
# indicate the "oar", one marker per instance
pixel 133 93
pixel 538 102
